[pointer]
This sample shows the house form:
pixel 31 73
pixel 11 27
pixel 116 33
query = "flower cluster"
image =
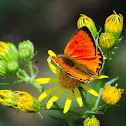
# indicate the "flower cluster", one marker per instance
pixel 19 100
pixel 75 87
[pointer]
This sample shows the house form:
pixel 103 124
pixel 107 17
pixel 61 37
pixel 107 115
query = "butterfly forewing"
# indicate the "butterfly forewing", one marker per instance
pixel 81 45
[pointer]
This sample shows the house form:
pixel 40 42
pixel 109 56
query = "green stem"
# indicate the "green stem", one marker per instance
pixel 84 101
pixel 64 115
pixel 97 90
pixel 20 77
pixel 101 107
pixel 31 69
pixel 54 108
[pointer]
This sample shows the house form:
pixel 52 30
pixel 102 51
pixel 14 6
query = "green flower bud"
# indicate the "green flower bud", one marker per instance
pixel 8 51
pixel 3 65
pixel 12 67
pixel 24 54
pixel 86 21
pixel 26 50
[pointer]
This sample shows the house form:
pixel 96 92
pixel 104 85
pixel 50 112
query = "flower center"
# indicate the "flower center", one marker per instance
pixel 66 81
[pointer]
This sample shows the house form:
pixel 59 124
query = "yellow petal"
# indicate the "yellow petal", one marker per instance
pixel 68 101
pixel 90 90
pixel 49 104
pixel 46 80
pixel 102 76
pixel 105 57
pixel 46 93
pixel 54 98
pixel 51 53
pixel 78 96
pixel 52 67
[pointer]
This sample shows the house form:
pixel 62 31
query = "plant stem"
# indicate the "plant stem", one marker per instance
pixel 30 68
pixel 97 90
pixel 84 100
pixel 20 77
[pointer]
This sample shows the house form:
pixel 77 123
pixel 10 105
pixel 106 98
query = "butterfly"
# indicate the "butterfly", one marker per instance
pixel 82 59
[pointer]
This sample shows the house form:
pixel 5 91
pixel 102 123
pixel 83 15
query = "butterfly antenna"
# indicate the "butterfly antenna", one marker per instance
pixel 39 60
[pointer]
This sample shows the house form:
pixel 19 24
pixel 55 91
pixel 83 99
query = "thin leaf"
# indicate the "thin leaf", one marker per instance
pixel 14 82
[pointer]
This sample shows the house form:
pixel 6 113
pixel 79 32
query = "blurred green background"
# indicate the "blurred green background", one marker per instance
pixel 49 24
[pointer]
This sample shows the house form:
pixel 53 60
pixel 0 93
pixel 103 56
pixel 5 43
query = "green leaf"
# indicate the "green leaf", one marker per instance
pixel 14 82
pixel 93 112
pixel 57 118
pixel 65 119
pixel 111 81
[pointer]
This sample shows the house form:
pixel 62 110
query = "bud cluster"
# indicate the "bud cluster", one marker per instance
pixel 112 29
pixel 9 55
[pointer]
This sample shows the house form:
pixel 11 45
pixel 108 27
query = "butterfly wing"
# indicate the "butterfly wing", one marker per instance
pixel 81 45
pixel 82 60
pixel 94 64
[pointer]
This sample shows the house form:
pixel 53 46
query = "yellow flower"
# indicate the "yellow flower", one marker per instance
pixel 7 97
pixel 86 21
pixel 106 42
pixel 111 95
pixel 65 83
pixel 26 102
pixel 114 24
pixel 91 121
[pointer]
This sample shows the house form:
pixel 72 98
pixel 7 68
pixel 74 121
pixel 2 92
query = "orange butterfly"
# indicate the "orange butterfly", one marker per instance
pixel 82 59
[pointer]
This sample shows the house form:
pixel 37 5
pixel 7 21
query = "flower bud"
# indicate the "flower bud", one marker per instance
pixel 107 42
pixel 114 24
pixel 26 50
pixel 26 102
pixel 12 67
pixel 7 97
pixel 86 21
pixel 24 54
pixel 3 65
pixel 8 51
pixel 111 95
pixel 91 122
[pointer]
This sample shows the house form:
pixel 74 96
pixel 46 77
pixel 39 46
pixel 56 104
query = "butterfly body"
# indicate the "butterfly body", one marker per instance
pixel 82 59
